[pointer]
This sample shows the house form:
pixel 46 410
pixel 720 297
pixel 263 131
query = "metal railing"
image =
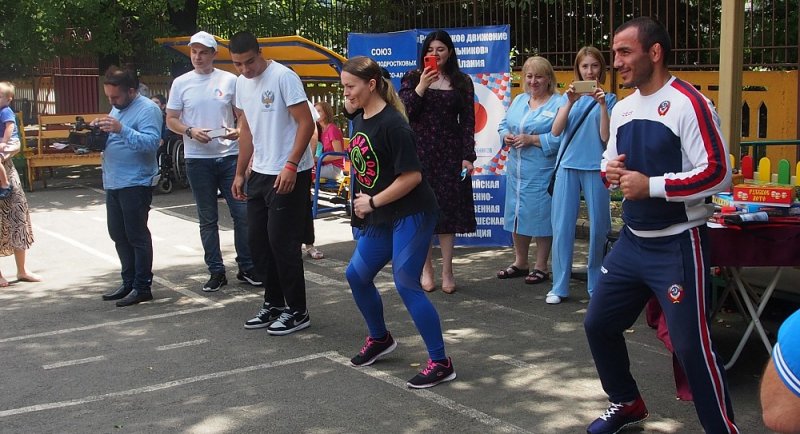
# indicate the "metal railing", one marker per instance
pixel 760 148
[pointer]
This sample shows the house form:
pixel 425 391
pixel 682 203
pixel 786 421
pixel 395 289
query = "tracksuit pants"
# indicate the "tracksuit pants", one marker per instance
pixel 405 243
pixel 674 270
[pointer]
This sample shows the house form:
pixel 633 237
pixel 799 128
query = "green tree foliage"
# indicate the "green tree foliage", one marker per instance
pixel 118 31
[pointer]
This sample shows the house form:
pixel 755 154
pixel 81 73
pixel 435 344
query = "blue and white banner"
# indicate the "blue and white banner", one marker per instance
pixel 483 54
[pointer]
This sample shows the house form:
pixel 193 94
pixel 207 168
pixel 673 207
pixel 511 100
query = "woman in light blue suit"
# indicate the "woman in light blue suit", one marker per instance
pixel 531 158
pixel 584 120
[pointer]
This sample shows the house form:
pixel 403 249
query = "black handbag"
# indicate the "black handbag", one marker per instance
pixel 552 183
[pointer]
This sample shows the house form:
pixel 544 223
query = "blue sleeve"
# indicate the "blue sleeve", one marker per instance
pixel 786 355
pixel 146 134
pixel 502 128
pixel 550 143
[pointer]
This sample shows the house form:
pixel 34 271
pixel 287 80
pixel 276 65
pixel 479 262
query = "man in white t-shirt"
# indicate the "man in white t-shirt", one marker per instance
pixel 275 125
pixel 200 107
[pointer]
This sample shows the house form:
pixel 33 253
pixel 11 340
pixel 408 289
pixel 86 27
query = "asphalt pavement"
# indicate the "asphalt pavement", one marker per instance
pixel 184 363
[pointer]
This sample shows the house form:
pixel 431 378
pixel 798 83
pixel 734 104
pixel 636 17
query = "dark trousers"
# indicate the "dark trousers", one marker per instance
pixel 127 210
pixel 673 269
pixel 276 225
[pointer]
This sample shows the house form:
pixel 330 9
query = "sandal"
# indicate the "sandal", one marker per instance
pixel 314 253
pixel 511 272
pixel 536 276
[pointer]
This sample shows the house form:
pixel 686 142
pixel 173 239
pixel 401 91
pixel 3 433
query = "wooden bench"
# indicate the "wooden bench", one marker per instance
pixel 53 128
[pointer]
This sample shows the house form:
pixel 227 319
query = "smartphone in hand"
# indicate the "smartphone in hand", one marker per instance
pixel 219 132
pixel 586 86
pixel 430 62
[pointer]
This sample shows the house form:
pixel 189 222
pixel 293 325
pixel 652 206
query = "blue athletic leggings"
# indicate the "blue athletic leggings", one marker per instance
pixel 405 243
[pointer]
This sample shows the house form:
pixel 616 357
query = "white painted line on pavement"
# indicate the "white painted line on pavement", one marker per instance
pixel 429 395
pixel 513 362
pixel 108 324
pixel 162 208
pixel 324 280
pixel 181 345
pixel 168 211
pixel 157 387
pixel 186 249
pixel 96 190
pixel 115 261
pixel 333 264
pixel 88 249
pixel 73 362
pixel 55 203
pixel 99 219
pixel 333 356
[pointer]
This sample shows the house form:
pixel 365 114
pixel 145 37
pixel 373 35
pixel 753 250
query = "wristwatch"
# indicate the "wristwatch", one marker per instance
pixel 188 132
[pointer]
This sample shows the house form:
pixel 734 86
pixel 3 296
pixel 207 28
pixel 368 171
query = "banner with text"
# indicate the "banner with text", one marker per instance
pixel 483 54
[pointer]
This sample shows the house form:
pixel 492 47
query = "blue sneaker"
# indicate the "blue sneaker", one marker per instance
pixel 618 416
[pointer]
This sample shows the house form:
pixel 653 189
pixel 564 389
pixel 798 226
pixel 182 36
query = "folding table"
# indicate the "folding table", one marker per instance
pixel 761 245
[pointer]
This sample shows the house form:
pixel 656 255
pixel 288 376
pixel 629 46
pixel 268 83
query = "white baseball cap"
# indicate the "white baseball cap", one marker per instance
pixel 204 39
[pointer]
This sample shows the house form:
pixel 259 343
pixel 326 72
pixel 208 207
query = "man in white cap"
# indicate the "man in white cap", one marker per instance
pixel 200 107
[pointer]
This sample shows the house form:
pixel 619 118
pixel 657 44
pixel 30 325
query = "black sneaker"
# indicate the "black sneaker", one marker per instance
pixel 432 375
pixel 217 281
pixel 618 416
pixel 373 349
pixel 289 322
pixel 266 316
pixel 249 277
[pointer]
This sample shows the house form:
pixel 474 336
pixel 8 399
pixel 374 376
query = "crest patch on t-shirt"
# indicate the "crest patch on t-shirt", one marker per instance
pixel 663 108
pixel 267 98
pixel 364 161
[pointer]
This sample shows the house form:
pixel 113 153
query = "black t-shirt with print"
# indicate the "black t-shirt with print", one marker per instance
pixel 381 148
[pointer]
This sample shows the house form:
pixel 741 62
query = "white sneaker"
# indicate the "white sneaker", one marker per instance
pixel 552 299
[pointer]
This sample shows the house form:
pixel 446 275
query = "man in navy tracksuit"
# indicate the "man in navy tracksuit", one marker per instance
pixel 667 156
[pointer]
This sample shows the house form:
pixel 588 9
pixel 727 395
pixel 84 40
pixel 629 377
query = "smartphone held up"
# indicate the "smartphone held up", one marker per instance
pixel 430 63
pixel 584 86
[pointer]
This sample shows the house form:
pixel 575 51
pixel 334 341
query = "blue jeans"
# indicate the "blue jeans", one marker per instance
pixel 206 176
pixel 127 210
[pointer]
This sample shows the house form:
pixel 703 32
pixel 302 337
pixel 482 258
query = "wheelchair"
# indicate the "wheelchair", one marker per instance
pixel 171 165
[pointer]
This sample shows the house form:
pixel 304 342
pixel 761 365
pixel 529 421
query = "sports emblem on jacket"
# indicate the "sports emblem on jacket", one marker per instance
pixel 363 160
pixel 663 108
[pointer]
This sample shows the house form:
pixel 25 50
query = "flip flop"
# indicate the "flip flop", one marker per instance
pixel 536 276
pixel 511 272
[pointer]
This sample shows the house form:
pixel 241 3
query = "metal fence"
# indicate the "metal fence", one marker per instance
pixel 555 29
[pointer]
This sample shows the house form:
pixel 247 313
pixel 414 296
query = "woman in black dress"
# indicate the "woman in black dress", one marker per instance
pixel 440 104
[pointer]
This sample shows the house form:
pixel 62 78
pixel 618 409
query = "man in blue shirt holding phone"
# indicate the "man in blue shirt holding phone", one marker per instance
pixel 129 168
